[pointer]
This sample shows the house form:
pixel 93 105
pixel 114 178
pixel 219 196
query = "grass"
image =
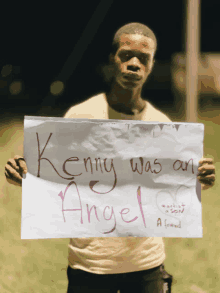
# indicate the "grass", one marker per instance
pixel 39 266
pixel 197 261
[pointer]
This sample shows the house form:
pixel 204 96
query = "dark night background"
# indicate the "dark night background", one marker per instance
pixel 38 38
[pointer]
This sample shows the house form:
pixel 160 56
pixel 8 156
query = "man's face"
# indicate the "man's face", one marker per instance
pixel 133 60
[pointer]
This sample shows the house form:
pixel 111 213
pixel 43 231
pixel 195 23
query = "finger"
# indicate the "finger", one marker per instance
pixel 12 173
pixel 206 160
pixel 207 169
pixel 205 187
pixel 12 162
pixel 6 174
pixel 207 182
pixel 16 182
pixel 208 177
pixel 21 163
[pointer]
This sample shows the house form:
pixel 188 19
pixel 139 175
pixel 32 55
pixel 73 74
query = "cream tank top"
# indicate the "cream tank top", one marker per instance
pixel 113 255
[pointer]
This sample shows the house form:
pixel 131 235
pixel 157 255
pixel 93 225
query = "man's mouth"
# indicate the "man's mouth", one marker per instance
pixel 132 77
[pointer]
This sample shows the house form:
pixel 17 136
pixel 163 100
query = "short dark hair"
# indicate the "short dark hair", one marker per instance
pixel 132 28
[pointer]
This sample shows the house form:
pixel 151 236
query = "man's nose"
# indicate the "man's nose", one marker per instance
pixel 133 64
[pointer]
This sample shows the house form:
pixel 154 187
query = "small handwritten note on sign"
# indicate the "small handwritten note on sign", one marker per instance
pixel 111 178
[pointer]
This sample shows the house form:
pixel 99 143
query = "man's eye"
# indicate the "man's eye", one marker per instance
pixel 143 59
pixel 126 56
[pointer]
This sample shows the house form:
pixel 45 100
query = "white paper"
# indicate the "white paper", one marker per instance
pixel 140 180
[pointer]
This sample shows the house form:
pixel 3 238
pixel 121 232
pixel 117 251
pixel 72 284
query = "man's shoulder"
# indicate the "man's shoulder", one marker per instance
pixel 85 108
pixel 157 115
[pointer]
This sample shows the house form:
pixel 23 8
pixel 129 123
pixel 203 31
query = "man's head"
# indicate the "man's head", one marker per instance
pixel 132 29
pixel 133 49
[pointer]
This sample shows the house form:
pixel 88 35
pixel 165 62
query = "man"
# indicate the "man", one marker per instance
pixel 130 264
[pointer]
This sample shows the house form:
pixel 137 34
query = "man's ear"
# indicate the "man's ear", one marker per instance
pixel 108 69
pixel 111 59
pixel 153 63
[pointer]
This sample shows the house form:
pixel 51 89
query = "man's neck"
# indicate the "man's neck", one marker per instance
pixel 125 101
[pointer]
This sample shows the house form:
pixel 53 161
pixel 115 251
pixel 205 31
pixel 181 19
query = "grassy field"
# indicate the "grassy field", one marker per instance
pixel 39 266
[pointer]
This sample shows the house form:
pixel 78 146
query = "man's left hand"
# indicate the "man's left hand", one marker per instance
pixel 206 175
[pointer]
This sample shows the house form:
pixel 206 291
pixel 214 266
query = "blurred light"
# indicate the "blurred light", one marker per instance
pixel 6 70
pixel 15 87
pixel 3 83
pixel 57 87
pixel 180 79
pixel 208 73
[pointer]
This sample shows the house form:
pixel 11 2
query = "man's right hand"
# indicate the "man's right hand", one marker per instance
pixel 14 169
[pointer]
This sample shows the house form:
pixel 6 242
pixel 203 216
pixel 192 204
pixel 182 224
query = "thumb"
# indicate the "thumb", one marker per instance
pixel 23 166
pixel 21 163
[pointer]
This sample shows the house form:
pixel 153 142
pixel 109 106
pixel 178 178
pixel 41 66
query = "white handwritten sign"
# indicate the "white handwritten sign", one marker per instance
pixel 111 178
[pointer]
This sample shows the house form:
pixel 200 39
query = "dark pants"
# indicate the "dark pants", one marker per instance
pixel 151 281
